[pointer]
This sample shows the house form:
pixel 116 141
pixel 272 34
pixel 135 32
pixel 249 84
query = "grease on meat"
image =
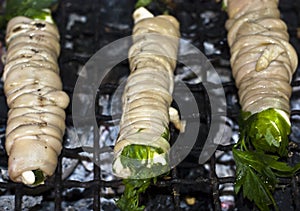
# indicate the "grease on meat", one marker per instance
pixel 36 119
pixel 262 59
pixel 148 92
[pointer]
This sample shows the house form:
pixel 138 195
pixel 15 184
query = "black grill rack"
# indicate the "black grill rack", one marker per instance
pixel 85 27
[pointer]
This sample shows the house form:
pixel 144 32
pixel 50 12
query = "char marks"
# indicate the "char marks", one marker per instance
pixel 36 119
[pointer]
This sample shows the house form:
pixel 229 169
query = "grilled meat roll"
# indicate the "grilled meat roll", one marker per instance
pixel 148 93
pixel 32 85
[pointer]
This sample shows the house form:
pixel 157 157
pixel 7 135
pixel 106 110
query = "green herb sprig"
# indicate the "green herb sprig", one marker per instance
pixel 36 9
pixel 132 157
pixel 39 177
pixel 263 143
pixel 142 3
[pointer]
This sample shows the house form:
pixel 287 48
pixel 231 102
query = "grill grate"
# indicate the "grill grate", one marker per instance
pixel 85 28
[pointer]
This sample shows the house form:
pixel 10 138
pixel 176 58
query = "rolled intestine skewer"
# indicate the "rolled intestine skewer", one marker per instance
pixel 148 92
pixel 263 62
pixel 36 119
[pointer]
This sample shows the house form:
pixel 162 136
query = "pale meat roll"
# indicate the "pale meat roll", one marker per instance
pixel 36 119
pixel 148 92
pixel 262 59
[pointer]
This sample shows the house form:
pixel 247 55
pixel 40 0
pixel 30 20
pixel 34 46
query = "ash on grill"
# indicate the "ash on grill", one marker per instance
pixel 79 184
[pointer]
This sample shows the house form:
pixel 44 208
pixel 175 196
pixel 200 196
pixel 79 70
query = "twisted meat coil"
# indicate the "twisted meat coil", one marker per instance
pixel 262 59
pixel 148 92
pixel 36 117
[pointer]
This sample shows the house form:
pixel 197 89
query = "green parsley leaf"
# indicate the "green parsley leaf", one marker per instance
pixel 130 198
pixel 142 3
pixel 166 134
pixel 39 176
pixel 263 142
pixel 255 180
pixel 132 157
pixel 224 5
pixel 34 9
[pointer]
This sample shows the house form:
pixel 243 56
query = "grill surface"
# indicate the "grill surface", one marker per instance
pixel 85 27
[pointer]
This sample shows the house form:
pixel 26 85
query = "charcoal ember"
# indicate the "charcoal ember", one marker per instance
pixel 28 202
